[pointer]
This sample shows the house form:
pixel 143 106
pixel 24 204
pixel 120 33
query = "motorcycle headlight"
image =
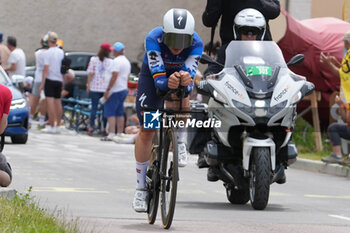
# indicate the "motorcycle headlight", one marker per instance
pixel 260 104
pixel 219 97
pixel 260 110
pixel 277 108
pixel 19 103
pixel 242 107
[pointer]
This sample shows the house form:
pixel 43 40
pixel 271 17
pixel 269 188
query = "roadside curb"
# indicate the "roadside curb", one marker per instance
pixel 8 193
pixel 318 166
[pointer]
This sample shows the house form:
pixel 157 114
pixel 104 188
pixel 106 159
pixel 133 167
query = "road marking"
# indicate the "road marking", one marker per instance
pixel 276 194
pixel 188 191
pixel 326 196
pixel 339 216
pixel 67 190
pixel 125 190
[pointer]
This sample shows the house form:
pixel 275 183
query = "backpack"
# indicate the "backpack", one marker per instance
pixel 65 66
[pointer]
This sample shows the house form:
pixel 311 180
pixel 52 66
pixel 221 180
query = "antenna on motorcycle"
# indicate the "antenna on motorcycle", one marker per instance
pixel 296 60
pixel 206 59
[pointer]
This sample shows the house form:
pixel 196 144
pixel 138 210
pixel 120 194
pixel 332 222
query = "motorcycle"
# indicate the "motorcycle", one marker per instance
pixel 255 98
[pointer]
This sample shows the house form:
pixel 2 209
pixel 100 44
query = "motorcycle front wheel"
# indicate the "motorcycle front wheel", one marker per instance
pixel 260 176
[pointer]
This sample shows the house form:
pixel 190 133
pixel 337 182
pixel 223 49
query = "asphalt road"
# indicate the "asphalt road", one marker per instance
pixel 80 176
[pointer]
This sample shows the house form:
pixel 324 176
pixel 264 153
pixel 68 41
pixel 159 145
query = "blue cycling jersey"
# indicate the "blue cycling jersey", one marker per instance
pixel 162 63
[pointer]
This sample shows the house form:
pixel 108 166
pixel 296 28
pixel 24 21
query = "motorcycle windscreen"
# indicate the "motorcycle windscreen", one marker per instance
pixel 258 60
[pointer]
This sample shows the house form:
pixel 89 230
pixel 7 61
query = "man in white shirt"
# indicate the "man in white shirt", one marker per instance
pixel 51 83
pixel 17 58
pixel 116 92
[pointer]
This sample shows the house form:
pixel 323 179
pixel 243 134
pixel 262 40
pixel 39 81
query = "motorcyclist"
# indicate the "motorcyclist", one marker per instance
pixel 249 24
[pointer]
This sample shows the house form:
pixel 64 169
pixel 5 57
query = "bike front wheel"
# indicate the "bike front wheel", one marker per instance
pixel 169 177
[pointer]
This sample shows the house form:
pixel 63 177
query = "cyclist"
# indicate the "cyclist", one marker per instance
pixel 171 61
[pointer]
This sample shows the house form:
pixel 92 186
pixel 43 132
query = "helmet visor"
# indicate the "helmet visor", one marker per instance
pixel 249 30
pixel 177 41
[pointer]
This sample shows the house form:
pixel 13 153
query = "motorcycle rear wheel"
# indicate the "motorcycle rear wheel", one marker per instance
pixel 259 183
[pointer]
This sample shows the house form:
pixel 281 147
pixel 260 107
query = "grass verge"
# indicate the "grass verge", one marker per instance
pixel 22 215
pixel 304 138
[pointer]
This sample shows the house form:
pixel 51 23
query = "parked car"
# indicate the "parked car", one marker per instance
pixel 80 62
pixel 17 127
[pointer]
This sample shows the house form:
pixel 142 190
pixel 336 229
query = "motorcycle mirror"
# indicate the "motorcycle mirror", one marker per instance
pixel 296 60
pixel 206 59
pixel 307 89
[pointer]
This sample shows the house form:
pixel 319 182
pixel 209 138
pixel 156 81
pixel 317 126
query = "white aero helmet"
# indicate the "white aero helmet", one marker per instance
pixel 178 28
pixel 249 22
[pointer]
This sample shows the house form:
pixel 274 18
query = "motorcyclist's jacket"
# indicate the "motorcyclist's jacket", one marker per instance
pixel 162 63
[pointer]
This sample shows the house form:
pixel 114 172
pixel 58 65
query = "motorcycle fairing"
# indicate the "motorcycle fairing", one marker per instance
pixel 249 143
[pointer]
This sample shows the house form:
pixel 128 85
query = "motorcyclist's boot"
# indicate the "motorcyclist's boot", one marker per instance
pixel 282 176
pixel 201 162
pixel 282 180
pixel 212 174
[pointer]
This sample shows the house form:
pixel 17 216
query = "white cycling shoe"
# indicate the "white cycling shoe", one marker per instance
pixel 182 153
pixel 140 203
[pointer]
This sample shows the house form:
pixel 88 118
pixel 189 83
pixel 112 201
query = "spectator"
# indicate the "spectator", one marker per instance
pixel 52 82
pixel 59 44
pixel 69 86
pixel 17 58
pixel 227 10
pixel 5 103
pixel 27 85
pixel 4 53
pixel 35 96
pixel 131 131
pixel 116 92
pixel 336 131
pixel 99 73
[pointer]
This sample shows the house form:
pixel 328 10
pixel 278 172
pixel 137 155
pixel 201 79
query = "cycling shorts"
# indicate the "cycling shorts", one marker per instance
pixel 146 94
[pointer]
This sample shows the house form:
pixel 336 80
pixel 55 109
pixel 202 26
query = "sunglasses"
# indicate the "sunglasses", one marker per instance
pixel 251 31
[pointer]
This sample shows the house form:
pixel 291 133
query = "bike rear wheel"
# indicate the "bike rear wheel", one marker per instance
pixel 153 186
pixel 169 177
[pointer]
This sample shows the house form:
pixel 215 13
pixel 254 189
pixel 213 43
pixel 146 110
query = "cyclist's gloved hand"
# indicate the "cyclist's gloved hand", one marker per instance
pixel 174 80
pixel 186 78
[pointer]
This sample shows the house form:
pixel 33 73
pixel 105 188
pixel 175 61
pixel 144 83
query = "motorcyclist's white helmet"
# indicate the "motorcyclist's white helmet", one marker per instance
pixel 249 21
pixel 178 28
